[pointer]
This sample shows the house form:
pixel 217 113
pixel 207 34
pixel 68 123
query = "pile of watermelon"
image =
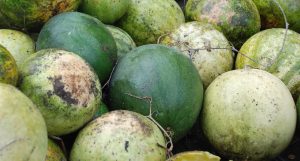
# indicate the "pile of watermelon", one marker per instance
pixel 149 80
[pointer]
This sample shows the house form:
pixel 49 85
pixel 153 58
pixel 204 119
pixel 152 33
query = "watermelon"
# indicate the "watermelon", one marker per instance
pixel 32 14
pixel 118 136
pixel 195 35
pixel 23 134
pixel 238 19
pixel 107 11
pixel 194 156
pixel 248 114
pixel 64 88
pixel 54 153
pixel 8 67
pixel 84 35
pixel 272 17
pixel 263 51
pixel 147 20
pixel 19 44
pixel 165 75
pixel 102 109
pixel 123 40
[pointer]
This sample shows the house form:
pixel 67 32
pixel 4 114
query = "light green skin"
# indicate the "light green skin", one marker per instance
pixel 298 111
pixel 248 115
pixel 23 134
pixel 238 19
pixel 123 40
pixel 210 63
pixel 262 51
pixel 8 67
pixel 54 153
pixel 19 44
pixel 107 11
pixel 64 88
pixel 32 14
pixel 145 23
pixel 118 136
pixel 272 17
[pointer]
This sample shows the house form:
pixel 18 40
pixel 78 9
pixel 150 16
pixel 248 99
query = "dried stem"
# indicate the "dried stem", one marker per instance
pixel 61 143
pixel 169 144
pixel 108 81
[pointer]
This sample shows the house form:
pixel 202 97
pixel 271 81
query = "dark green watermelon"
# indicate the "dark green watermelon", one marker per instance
pixel 165 75
pixel 83 35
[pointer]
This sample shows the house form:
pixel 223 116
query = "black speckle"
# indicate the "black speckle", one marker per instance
pixel 126 145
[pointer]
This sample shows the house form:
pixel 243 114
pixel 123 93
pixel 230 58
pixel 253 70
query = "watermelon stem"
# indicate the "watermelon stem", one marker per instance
pixel 108 81
pixel 169 144
pixel 62 144
pixel 286 30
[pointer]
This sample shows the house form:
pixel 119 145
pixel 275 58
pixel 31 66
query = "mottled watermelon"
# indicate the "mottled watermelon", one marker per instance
pixel 272 17
pixel 118 136
pixel 63 86
pixel 208 48
pixel 23 134
pixel 147 20
pixel 54 153
pixel 19 44
pixel 248 115
pixel 8 67
pixel 84 35
pixel 32 14
pixel 107 11
pixel 123 40
pixel 263 51
pixel 238 19
pixel 165 75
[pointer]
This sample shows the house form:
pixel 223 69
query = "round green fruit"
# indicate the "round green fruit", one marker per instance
pixel 83 35
pixel 102 109
pixel 8 67
pixel 263 51
pixel 23 134
pixel 238 19
pixel 194 156
pixel 54 153
pixel 19 44
pixel 167 77
pixel 200 42
pixel 147 20
pixel 272 17
pixel 32 14
pixel 118 136
pixel 107 11
pixel 123 40
pixel 248 115
pixel 64 88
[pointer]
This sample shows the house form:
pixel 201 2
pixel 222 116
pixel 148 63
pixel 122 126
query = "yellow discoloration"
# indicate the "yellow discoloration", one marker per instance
pixel 8 67
pixel 194 156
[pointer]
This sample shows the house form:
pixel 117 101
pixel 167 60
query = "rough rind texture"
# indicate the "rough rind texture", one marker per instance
pixel 248 115
pixel 54 153
pixel 123 40
pixel 8 67
pixel 146 20
pixel 107 11
pixel 64 88
pixel 23 134
pixel 165 75
pixel 238 19
pixel 272 17
pixel 118 136
pixel 197 35
pixel 32 14
pixel 84 35
pixel 19 44
pixel 262 51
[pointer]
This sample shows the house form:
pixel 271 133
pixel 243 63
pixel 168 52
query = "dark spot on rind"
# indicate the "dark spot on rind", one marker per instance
pixel 58 87
pixel 126 145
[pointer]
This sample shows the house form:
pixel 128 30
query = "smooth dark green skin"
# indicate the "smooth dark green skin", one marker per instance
pixel 107 11
pixel 32 14
pixel 84 35
pixel 101 110
pixel 272 17
pixel 165 75
pixel 244 22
